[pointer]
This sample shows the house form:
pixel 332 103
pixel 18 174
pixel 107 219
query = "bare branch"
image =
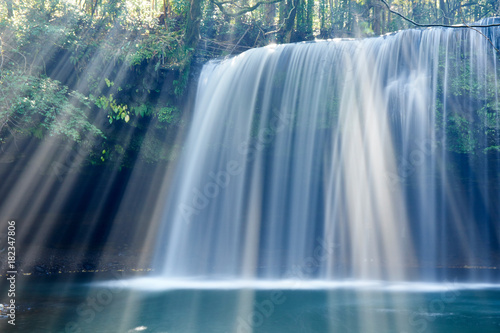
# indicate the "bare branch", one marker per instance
pixel 478 31
pixel 455 26
pixel 238 42
pixel 284 21
pixel 245 10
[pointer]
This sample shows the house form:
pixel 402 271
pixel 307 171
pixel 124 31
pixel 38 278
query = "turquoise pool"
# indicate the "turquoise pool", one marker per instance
pixel 149 305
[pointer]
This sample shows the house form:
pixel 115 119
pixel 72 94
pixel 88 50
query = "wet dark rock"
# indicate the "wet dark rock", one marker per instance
pixel 115 266
pixel 88 266
pixel 56 269
pixel 40 270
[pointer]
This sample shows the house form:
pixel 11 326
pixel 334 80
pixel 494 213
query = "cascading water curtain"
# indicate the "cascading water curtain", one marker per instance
pixel 341 159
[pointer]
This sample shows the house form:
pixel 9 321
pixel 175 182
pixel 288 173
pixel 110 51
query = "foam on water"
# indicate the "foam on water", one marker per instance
pixel 160 284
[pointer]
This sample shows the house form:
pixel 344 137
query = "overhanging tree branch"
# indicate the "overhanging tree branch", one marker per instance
pixel 245 10
pixel 455 26
pixel 284 21
pixel 478 31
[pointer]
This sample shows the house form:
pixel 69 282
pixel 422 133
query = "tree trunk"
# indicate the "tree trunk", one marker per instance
pixel 376 19
pixel 167 8
pixel 383 20
pixel 332 18
pixel 309 19
pixel 282 13
pixel 269 15
pixel 300 17
pixel 322 19
pixel 290 12
pixel 209 26
pixel 388 23
pixel 193 24
pixel 10 8
pixel 442 6
pixel 352 22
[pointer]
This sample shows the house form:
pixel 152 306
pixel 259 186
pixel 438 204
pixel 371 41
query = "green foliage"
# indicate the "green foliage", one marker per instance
pixel 471 121
pixel 152 149
pixel 179 7
pixel 115 111
pixel 168 115
pixel 461 136
pixel 181 84
pixel 492 149
pixel 40 106
pixel 142 110
pixel 162 47
pixel 366 28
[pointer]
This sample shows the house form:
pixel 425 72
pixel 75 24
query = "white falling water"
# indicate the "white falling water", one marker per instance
pixel 335 159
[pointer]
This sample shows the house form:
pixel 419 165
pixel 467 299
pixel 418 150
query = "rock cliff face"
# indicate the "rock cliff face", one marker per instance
pixel 61 262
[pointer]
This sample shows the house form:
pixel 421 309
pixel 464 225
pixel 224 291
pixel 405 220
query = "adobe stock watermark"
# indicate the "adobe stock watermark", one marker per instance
pixel 69 161
pixel 408 165
pixel 310 265
pixel 95 303
pixel 420 319
pixel 11 272
pixel 298 273
pixel 261 311
pixel 201 197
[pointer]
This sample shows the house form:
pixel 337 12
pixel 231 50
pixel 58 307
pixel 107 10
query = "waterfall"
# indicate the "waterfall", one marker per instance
pixel 367 159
